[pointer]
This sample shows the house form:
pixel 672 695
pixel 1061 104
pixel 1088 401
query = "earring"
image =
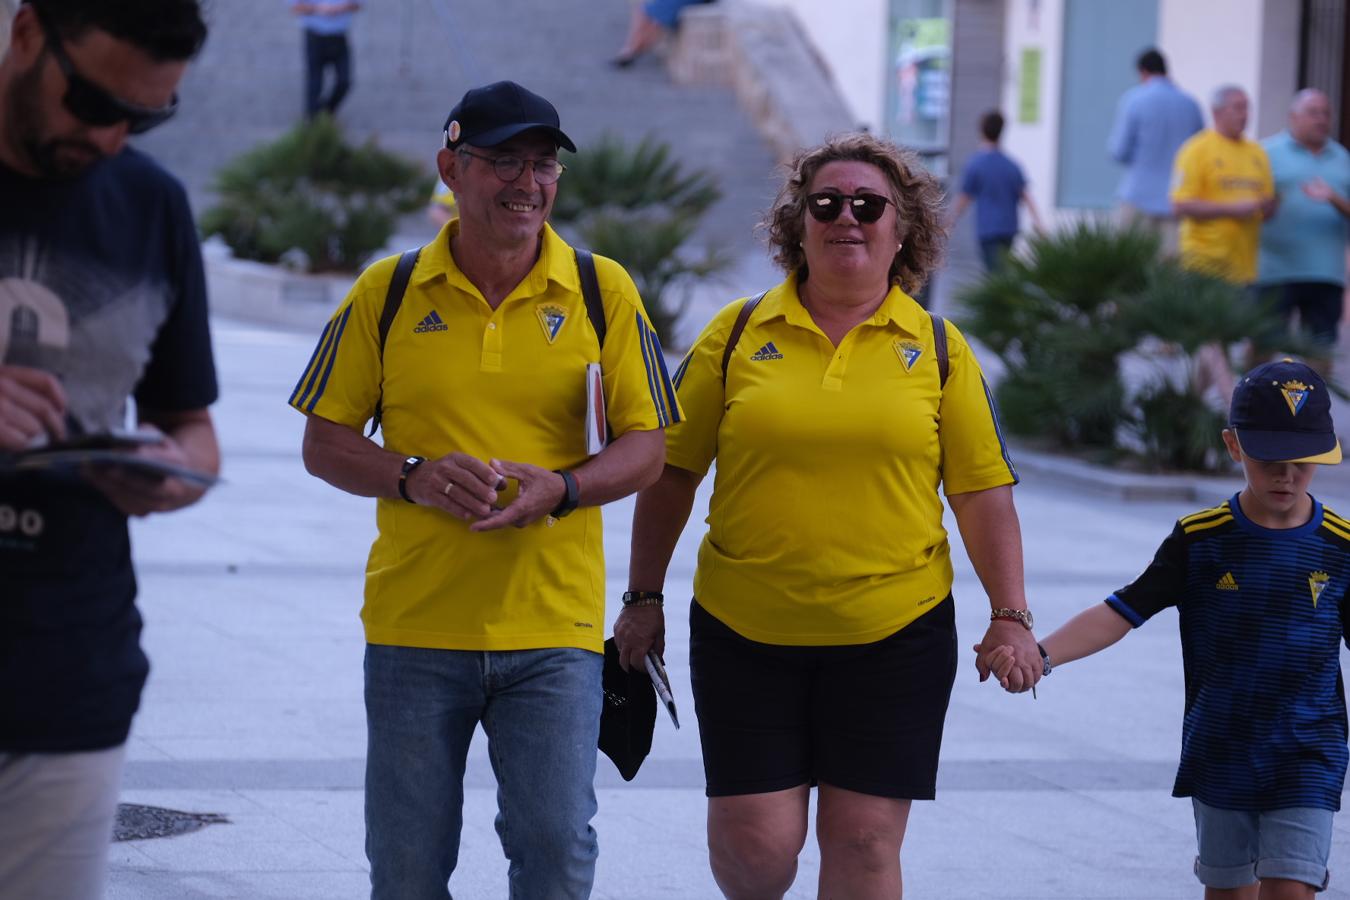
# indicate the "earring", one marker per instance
pixel 900 246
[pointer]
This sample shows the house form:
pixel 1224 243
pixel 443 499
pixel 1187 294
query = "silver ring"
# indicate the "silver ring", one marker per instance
pixel 448 486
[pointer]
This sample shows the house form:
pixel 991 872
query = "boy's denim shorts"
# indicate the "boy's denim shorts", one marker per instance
pixel 1238 847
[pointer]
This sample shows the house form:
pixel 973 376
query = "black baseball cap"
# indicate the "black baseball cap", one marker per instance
pixel 1281 412
pixel 628 716
pixel 487 116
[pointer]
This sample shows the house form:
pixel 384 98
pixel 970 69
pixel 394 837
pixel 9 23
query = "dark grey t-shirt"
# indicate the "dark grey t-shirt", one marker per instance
pixel 101 284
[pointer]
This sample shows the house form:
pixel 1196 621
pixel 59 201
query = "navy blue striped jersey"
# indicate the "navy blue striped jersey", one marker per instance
pixel 1262 615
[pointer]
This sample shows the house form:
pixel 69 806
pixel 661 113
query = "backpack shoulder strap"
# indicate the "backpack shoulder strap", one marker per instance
pixel 393 299
pixel 940 347
pixel 590 292
pixel 737 327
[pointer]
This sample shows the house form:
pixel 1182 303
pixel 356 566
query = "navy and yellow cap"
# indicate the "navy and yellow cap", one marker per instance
pixel 486 116
pixel 1281 412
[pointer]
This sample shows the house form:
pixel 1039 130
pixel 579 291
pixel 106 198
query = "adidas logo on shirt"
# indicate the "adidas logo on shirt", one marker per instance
pixel 432 322
pixel 768 351
pixel 1227 582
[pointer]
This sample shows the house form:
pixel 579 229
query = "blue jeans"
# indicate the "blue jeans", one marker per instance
pixel 540 710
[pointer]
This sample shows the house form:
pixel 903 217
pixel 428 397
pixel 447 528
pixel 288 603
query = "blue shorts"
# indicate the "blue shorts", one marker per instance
pixel 1238 847
pixel 667 12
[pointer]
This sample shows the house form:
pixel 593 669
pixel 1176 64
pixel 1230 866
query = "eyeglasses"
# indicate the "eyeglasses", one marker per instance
pixel 827 205
pixel 93 105
pixel 508 168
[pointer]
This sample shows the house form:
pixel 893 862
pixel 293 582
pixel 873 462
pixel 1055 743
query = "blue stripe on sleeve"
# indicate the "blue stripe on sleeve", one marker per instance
pixel 1124 609
pixel 647 363
pixel 308 372
pixel 681 369
pixel 998 430
pixel 667 390
pixel 325 348
pixel 332 358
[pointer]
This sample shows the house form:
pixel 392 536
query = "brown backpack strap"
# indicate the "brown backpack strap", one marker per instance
pixel 742 318
pixel 940 347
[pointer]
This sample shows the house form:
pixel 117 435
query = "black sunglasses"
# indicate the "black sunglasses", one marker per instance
pixel 827 205
pixel 93 105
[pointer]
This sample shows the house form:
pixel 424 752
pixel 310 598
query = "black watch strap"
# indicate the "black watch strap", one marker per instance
pixel 571 496
pixel 644 598
pixel 409 464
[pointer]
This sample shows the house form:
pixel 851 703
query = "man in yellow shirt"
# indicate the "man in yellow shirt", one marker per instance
pixel 483 396
pixel 1222 190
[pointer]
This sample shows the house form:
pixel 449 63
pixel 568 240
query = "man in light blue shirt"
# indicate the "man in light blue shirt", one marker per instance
pixel 1153 120
pixel 325 25
pixel 1302 262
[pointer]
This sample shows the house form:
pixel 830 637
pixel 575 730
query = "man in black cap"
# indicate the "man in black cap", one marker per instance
pixel 102 298
pixel 484 377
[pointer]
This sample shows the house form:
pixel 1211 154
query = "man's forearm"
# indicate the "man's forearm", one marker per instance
pixel 631 462
pixel 1209 209
pixel 348 460
pixel 194 432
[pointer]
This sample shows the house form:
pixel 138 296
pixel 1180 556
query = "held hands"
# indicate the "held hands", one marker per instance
pixel 139 493
pixel 32 403
pixel 1009 653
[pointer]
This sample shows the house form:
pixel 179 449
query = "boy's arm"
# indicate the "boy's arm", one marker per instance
pixel 1091 630
pixel 1033 212
pixel 962 203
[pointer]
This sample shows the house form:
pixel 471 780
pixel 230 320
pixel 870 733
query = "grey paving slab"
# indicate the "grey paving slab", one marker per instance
pixel 253 709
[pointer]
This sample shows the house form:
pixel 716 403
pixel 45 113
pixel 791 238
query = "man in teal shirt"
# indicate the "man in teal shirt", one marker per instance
pixel 1302 262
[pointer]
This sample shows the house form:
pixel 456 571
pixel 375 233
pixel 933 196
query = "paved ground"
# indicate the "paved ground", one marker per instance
pixel 253 708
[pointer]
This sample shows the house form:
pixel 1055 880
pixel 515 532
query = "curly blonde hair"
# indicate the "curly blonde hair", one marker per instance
pixel 918 222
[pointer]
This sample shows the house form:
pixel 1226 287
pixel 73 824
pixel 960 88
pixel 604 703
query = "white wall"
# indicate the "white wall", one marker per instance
pixel 1213 42
pixel 851 38
pixel 1035 24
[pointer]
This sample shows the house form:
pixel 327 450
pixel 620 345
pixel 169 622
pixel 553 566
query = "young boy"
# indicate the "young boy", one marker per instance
pixel 995 184
pixel 1260 584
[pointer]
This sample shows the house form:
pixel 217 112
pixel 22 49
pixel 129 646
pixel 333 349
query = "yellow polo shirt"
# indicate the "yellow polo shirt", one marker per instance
pixel 508 384
pixel 1211 167
pixel 825 525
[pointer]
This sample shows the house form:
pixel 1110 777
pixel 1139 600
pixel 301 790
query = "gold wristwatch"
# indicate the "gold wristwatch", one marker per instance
pixel 1019 615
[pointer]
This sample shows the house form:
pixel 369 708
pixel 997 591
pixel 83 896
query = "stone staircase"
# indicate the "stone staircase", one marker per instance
pixel 413 59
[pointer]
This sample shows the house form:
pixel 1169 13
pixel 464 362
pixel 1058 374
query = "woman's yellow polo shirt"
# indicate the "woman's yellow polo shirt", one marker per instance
pixel 508 384
pixel 825 525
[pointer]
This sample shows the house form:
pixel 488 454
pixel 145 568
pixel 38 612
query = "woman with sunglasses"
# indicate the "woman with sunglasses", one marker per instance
pixel 822 637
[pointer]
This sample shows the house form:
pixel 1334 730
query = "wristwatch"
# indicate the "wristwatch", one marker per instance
pixel 1046 665
pixel 643 598
pixel 1021 615
pixel 409 464
pixel 570 496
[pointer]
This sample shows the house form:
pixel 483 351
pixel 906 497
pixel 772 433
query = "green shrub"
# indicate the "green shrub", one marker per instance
pixel 1063 318
pixel 637 205
pixel 311 190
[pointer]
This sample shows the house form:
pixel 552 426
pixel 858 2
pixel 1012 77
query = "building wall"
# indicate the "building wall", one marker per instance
pixel 1032 25
pixel 853 48
pixel 1251 43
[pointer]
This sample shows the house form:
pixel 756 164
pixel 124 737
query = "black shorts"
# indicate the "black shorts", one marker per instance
pixel 865 717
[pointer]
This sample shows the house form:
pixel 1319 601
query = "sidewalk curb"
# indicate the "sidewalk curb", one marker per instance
pixel 1123 485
